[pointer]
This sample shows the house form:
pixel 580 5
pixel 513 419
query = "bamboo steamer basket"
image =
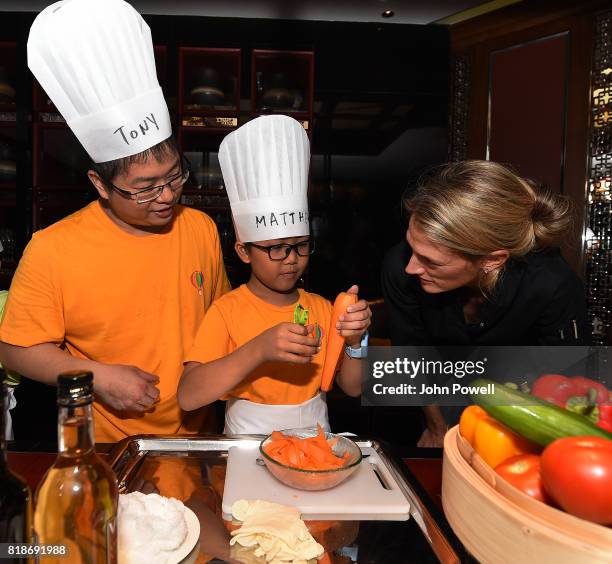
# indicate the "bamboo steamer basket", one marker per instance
pixel 498 524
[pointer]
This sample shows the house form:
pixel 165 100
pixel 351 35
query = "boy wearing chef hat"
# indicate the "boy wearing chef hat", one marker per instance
pixel 248 351
pixel 111 288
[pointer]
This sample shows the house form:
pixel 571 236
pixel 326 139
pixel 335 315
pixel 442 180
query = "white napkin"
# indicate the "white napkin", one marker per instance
pixel 276 531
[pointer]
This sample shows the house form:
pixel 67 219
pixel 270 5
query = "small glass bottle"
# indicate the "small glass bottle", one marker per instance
pixel 76 503
pixel 15 498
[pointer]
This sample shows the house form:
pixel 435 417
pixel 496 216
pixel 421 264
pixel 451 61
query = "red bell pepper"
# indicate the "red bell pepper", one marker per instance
pixel 583 385
pixel 605 417
pixel 578 394
pixel 554 388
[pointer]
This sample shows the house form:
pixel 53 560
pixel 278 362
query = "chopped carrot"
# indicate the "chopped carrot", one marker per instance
pixel 311 453
pixel 277 435
pixel 335 341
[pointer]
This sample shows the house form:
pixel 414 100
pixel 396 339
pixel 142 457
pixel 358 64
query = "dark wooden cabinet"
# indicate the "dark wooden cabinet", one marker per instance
pixel 532 88
pixel 8 161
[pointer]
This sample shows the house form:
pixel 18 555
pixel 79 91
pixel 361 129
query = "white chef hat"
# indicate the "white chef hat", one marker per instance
pixel 265 169
pixel 95 61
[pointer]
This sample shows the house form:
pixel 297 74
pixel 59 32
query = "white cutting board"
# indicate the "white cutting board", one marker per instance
pixel 360 497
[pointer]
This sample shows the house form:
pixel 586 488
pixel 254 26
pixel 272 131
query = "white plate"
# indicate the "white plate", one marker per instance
pixel 190 542
pixel 193 535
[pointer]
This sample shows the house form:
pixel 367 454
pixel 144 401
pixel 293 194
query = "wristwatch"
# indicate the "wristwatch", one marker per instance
pixel 361 351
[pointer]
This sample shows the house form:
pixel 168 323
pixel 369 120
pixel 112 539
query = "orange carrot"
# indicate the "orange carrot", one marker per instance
pixel 335 341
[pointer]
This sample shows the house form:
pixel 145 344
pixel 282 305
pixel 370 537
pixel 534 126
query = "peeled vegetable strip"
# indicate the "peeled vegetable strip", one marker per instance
pixel 300 315
pixel 311 453
pixel 319 438
pixel 277 435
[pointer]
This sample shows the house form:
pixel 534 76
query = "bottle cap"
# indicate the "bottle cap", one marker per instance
pixel 75 388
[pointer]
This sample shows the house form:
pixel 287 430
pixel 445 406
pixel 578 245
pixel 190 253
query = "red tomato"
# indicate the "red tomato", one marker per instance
pixel 577 474
pixel 523 472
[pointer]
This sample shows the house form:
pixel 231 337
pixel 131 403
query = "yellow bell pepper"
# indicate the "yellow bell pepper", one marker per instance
pixel 492 440
pixel 469 418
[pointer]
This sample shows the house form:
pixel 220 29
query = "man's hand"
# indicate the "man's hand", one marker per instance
pixel 287 342
pixel 353 324
pixel 125 388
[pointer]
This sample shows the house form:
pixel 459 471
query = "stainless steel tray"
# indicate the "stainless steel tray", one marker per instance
pixel 193 469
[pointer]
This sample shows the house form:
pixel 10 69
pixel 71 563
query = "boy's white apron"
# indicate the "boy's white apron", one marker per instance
pixel 246 417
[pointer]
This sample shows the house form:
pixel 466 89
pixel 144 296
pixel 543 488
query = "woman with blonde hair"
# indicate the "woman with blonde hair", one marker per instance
pixel 481 265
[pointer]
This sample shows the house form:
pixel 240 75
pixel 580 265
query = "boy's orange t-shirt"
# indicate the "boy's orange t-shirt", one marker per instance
pixel 106 295
pixel 238 317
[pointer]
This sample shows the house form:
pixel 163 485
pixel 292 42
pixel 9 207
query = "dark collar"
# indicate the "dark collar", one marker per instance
pixel 505 291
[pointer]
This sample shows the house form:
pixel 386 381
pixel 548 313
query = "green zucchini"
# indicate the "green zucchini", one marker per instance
pixel 537 420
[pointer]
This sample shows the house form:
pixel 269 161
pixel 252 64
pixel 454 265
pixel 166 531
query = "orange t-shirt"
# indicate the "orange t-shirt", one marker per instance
pixel 116 298
pixel 240 316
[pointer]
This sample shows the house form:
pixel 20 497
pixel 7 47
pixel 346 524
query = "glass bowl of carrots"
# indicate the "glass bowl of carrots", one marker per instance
pixel 310 459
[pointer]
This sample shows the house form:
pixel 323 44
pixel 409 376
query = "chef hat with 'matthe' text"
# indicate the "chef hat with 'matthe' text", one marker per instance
pixel 265 169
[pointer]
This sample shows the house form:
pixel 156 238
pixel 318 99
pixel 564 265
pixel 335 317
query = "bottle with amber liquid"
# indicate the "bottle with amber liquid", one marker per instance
pixel 15 499
pixel 76 503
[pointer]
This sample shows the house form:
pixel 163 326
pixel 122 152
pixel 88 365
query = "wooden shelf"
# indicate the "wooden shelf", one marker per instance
pixel 211 124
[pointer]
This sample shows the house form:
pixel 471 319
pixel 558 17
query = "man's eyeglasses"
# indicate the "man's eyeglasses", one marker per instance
pixel 149 194
pixel 283 250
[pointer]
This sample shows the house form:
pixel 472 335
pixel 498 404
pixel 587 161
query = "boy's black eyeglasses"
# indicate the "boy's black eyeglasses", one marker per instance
pixel 283 250
pixel 149 194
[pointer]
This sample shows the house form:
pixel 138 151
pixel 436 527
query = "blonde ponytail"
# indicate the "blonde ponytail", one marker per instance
pixel 477 207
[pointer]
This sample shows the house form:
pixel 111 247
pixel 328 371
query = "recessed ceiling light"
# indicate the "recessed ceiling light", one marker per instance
pixel 388 14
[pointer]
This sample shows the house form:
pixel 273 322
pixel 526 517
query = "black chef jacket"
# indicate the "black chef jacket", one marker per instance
pixel 538 301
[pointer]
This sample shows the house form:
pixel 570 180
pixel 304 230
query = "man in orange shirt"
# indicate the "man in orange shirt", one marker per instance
pixel 121 286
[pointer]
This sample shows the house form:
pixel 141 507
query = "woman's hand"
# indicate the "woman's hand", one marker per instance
pixel 353 324
pixel 287 342
pixel 432 438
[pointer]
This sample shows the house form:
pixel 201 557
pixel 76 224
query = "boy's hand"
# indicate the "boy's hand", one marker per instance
pixel 353 324
pixel 288 342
